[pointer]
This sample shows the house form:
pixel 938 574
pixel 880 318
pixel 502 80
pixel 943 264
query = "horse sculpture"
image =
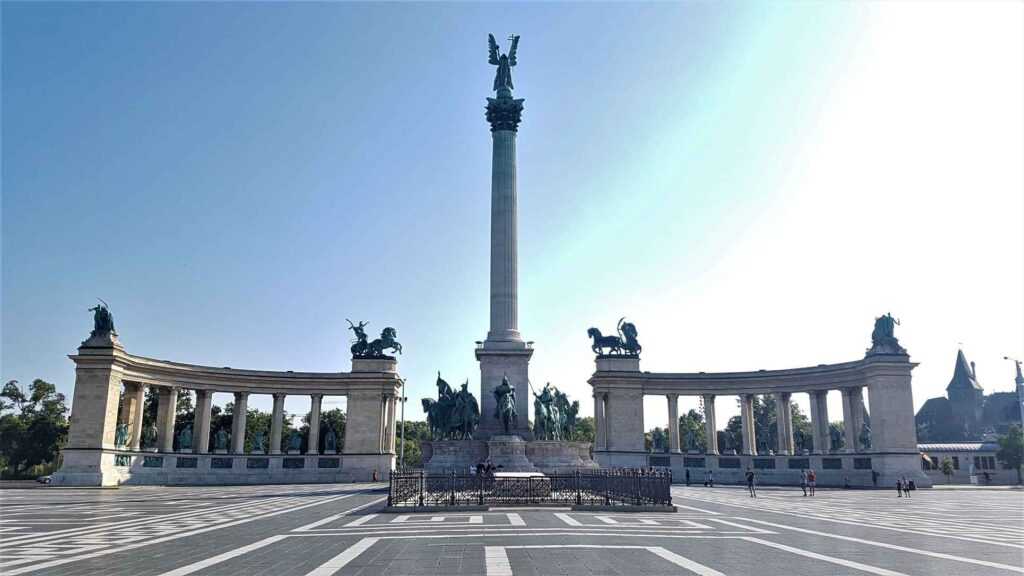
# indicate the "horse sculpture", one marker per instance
pixel 600 342
pixel 386 341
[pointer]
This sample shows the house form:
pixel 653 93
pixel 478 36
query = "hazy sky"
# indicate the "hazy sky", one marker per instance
pixel 750 184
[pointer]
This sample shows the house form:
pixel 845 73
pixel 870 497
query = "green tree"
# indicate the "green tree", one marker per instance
pixel 37 427
pixel 691 428
pixel 837 437
pixel 947 468
pixel 585 430
pixel 1011 450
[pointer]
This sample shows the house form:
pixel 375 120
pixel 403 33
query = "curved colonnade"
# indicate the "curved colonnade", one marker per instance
pixel 619 388
pixel 103 367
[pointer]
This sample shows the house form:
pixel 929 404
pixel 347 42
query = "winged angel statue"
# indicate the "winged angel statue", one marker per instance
pixel 504 62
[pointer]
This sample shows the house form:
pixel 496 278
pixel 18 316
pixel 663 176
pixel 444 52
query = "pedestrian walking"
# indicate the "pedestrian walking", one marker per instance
pixel 803 481
pixel 711 478
pixel 846 482
pixel 750 483
pixel 687 476
pixel 874 478
pixel 906 487
pixel 812 480
pixel 899 487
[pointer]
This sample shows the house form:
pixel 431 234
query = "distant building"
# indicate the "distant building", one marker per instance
pixel 966 413
pixel 968 458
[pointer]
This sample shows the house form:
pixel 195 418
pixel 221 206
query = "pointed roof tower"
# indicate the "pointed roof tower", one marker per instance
pixel 963 375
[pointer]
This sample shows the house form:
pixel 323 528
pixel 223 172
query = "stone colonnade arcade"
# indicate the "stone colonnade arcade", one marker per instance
pixel 92 458
pixel 619 388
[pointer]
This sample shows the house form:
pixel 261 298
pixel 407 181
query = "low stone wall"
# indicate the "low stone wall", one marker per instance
pixel 161 468
pixel 550 457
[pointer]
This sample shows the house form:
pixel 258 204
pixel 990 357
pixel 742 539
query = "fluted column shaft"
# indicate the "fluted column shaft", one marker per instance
pixel 599 443
pixel 313 444
pixel 784 422
pixel 241 411
pixel 673 422
pixel 504 242
pixel 135 395
pixel 201 436
pixel 819 422
pixel 166 411
pixel 853 416
pixel 747 420
pixel 710 429
pixel 276 424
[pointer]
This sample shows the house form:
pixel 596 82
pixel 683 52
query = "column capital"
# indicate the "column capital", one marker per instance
pixel 241 394
pixel 279 395
pixel 317 396
pixel 504 113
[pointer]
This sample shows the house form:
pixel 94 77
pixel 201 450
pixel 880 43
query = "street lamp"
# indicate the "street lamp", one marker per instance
pixel 1020 387
pixel 401 458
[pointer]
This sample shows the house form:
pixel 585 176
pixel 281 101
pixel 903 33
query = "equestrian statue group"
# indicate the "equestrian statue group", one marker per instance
pixel 554 418
pixel 454 415
pixel 362 347
pixel 625 344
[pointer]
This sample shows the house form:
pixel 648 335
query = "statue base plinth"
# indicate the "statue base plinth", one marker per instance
pixel 220 451
pixel 330 452
pixel 508 453
pixel 293 452
pixel 257 452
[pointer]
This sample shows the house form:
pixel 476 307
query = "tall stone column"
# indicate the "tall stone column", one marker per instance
pixel 135 397
pixel 710 428
pixel 784 423
pixel 392 412
pixel 673 422
pixel 747 422
pixel 277 424
pixel 853 406
pixel 166 412
pixel 313 444
pixel 204 404
pixel 503 353
pixel 238 422
pixel 819 422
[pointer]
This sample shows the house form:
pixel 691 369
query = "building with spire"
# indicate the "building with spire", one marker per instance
pixel 966 413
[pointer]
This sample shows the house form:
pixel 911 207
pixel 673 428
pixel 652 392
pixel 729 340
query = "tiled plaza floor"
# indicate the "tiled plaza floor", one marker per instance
pixel 320 530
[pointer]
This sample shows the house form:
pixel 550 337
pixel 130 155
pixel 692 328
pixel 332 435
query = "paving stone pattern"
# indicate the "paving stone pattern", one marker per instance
pixel 341 529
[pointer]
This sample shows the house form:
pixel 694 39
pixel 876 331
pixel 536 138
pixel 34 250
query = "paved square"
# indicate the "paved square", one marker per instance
pixel 321 530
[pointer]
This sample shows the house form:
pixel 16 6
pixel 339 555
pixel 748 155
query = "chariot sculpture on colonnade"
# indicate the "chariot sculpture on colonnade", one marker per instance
pixel 625 343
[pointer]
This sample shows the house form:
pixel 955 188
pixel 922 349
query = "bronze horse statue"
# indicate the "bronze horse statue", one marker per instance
pixel 600 342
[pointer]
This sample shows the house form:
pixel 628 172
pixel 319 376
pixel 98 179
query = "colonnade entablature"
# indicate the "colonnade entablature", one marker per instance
pixel 105 437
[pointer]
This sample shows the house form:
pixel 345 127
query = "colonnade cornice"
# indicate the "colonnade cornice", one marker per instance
pixel 164 373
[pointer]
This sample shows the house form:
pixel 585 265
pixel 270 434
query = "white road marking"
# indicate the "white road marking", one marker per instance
pixel 567 519
pixel 672 557
pixel 400 519
pixel 743 526
pixel 196 566
pixel 607 519
pixel 476 519
pixel 334 517
pixel 515 519
pixel 711 512
pixel 497 561
pixel 361 520
pixel 824 558
pixel 338 562
pixel 683 562
pixel 176 536
pixel 892 546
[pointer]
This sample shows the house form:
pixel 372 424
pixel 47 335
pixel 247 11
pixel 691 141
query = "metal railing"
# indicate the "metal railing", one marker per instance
pixel 624 487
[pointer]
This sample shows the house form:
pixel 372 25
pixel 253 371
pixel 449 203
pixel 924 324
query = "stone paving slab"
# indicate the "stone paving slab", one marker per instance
pixel 344 530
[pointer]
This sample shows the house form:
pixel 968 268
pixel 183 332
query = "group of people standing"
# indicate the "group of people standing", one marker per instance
pixel 904 486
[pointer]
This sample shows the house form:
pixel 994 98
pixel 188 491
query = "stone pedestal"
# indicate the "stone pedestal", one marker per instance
pixel 509 454
pixel 293 452
pixel 499 360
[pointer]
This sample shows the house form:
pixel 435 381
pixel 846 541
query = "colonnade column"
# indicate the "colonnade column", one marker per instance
pixel 819 422
pixel 599 443
pixel 784 422
pixel 673 423
pixel 238 422
pixel 853 410
pixel 276 424
pixel 166 410
pixel 201 437
pixel 710 432
pixel 747 419
pixel 313 444
pixel 135 397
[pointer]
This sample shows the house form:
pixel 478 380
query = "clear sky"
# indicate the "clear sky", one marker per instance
pixel 751 184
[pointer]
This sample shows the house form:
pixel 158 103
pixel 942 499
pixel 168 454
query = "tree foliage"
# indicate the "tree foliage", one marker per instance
pixel 1011 450
pixel 35 429
pixel 947 468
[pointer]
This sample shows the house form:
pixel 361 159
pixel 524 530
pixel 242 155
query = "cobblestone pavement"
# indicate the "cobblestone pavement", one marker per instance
pixel 320 530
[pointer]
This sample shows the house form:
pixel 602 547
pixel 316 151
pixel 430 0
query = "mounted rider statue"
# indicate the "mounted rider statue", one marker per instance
pixel 363 348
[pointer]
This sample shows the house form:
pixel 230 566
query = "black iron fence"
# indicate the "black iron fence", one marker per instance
pixel 582 488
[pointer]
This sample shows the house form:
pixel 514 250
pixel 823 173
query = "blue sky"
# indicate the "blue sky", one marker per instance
pixel 750 184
